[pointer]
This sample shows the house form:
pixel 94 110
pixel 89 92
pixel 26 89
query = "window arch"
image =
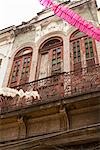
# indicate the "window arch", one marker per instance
pixel 21 67
pixel 82 45
pixel 50 57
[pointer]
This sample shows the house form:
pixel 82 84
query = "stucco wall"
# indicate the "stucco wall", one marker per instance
pixel 44 27
pixel 98 13
pixel 6 43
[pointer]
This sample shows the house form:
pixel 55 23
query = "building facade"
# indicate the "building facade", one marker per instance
pixel 50 56
pixel 98 13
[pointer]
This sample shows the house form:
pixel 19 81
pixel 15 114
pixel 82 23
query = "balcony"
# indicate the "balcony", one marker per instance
pixel 55 87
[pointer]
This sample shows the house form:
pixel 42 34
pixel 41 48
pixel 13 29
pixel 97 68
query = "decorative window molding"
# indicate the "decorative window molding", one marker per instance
pixel 50 43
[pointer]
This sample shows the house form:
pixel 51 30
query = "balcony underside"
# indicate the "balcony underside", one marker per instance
pixel 65 123
pixel 64 140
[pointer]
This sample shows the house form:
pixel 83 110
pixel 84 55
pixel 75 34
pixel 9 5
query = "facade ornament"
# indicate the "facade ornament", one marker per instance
pixel 24 28
pixel 51 27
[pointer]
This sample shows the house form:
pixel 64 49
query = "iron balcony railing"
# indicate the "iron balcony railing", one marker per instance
pixel 55 87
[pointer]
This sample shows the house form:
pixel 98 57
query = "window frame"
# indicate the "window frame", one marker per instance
pixel 20 56
pixel 44 50
pixel 82 38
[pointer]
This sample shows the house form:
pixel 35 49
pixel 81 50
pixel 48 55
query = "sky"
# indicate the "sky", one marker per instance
pixel 14 12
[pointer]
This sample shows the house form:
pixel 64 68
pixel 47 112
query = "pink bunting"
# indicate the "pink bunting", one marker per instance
pixel 73 18
pixel 46 3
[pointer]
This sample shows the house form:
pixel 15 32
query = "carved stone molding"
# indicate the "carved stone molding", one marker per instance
pixel 24 29
pixel 7 38
pixel 64 117
pixel 22 126
pixel 88 146
pixel 51 27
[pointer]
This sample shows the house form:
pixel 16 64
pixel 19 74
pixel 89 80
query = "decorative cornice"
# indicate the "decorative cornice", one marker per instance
pixel 7 37
pixel 24 28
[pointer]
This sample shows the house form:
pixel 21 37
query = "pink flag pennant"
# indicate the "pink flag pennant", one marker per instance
pixel 73 18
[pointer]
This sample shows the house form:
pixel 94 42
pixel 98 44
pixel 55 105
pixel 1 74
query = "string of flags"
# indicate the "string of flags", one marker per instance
pixel 73 19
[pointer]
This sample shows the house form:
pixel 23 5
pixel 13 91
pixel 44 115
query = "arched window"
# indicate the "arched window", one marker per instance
pixel 51 57
pixel 82 49
pixel 21 67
